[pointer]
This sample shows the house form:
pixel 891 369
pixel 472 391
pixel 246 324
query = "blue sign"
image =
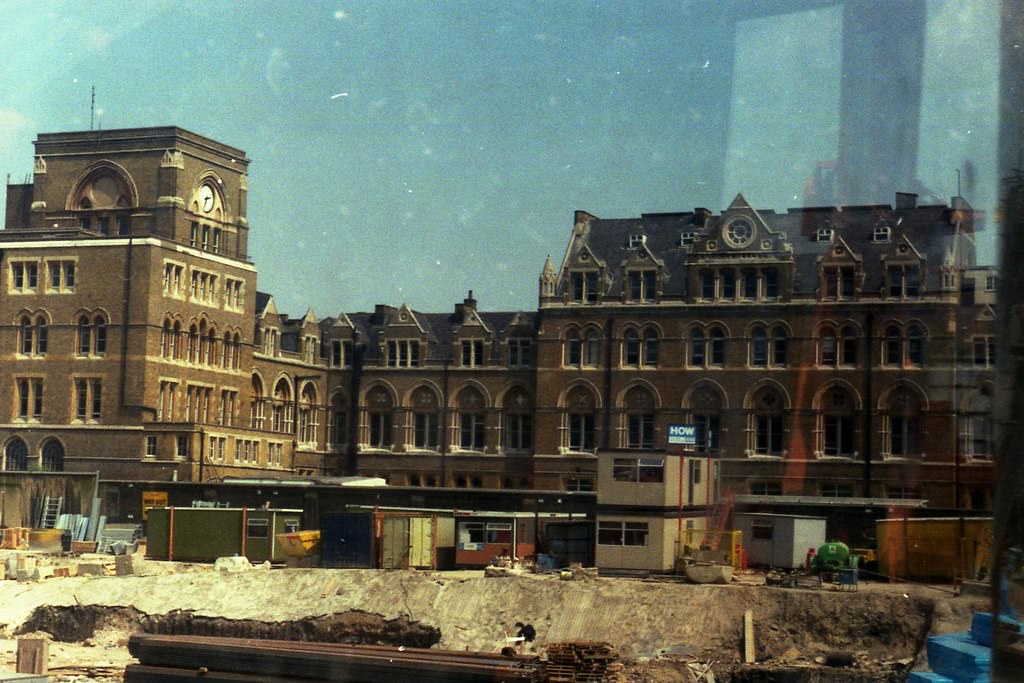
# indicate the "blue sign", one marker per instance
pixel 682 435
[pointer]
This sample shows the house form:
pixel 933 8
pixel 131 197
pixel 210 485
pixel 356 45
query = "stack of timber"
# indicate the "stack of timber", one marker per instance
pixel 15 538
pixel 579 662
pixel 182 658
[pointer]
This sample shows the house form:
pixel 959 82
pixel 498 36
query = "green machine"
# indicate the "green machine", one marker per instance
pixel 835 562
pixel 833 556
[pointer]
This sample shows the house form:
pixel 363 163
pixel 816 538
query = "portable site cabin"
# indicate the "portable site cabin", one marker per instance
pixel 780 541
pixel 482 536
pixel 387 539
pixel 204 534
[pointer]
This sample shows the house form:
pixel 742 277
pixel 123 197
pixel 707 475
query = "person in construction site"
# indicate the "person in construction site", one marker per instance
pixel 528 634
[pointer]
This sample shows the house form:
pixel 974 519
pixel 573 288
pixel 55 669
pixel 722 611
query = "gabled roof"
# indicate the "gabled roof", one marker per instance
pixel 929 231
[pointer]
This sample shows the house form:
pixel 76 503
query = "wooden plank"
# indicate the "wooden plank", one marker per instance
pixel 33 655
pixel 749 651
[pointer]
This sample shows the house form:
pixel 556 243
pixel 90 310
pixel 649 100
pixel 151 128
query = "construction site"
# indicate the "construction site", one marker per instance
pixel 88 615
pixel 379 593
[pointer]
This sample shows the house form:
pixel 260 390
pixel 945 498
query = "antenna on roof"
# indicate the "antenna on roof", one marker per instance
pixel 92 107
pixel 958 183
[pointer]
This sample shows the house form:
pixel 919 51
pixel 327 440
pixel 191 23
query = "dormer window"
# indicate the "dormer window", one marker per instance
pixel 642 285
pixel 839 282
pixel 824 234
pixel 584 287
pixel 636 239
pixel 472 353
pixel 881 233
pixel 403 353
pixel 687 238
pixel 904 281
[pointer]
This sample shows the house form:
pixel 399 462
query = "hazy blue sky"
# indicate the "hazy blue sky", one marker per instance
pixel 406 151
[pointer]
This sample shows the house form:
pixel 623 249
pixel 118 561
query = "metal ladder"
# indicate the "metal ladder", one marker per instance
pixel 51 510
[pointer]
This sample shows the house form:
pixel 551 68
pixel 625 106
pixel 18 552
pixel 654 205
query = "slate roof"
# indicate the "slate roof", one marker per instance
pixel 931 231
pixel 441 328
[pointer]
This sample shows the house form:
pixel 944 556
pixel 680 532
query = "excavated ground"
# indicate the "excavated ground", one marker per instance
pixel 664 629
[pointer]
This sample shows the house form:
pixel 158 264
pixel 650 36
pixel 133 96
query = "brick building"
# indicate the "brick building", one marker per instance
pixel 824 352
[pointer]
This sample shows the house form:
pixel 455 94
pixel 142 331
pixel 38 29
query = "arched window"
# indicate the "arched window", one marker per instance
pixel 339 420
pixel 16 455
pixel 176 349
pixel 705 414
pixel 977 426
pixel 426 428
pixel 226 351
pixel 698 348
pixel 904 350
pixel 915 345
pixel 836 423
pixel 640 350
pixel 904 424
pixel 84 336
pixel 193 344
pixel 203 345
pixel 103 203
pixel 471 420
pixel 378 417
pixel 848 345
pixel 759 348
pixel 717 355
pixel 92 336
pixel 308 414
pixel 517 414
pixel 892 350
pixel 764 422
pixel 631 349
pixel 649 357
pixel 99 335
pixel 211 346
pixel 281 410
pixel 33 336
pixel 236 351
pixel 779 350
pixel 579 421
pixel 573 353
pixel 591 349
pixel 828 349
pixel 53 456
pixel 27 336
pixel 640 418
pixel 166 333
pixel 256 414
pixel 768 350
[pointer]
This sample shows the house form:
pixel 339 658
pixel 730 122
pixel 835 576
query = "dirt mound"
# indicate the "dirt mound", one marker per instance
pixel 660 626
pixel 79 623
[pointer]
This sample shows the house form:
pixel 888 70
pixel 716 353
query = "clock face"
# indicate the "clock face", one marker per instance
pixel 739 233
pixel 206 199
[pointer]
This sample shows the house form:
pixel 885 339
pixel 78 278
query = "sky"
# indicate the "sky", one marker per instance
pixel 408 151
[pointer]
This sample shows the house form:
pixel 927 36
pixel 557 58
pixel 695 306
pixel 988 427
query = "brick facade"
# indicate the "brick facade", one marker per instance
pixel 821 352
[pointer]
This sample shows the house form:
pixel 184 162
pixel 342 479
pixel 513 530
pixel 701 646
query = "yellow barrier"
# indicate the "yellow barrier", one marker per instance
pixel 723 547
